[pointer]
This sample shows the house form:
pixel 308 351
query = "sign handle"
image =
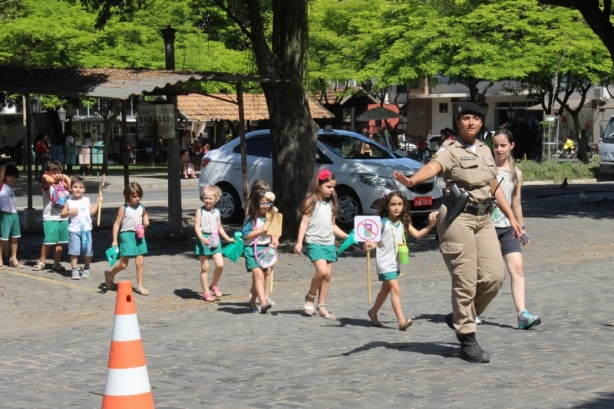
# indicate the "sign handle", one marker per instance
pixel 100 194
pixel 369 277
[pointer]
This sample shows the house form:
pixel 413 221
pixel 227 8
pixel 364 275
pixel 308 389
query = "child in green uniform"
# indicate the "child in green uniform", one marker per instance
pixel 129 227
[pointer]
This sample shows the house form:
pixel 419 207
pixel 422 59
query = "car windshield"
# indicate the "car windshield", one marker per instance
pixel 349 147
pixel 608 133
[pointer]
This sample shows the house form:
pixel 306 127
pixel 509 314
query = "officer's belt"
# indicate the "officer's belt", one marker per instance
pixel 478 209
pixel 475 209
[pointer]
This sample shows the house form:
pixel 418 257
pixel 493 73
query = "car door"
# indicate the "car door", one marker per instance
pixel 259 162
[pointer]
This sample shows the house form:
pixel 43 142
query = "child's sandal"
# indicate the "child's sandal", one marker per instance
pixel 405 325
pixel 39 266
pixel 328 315
pixel 108 280
pixel 208 297
pixel 13 262
pixel 310 309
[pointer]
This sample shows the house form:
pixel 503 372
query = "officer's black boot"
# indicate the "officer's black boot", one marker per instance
pixel 471 350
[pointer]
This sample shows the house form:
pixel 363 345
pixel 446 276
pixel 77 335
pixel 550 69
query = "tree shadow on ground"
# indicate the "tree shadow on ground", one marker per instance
pixel 427 348
pixel 602 401
pixel 592 200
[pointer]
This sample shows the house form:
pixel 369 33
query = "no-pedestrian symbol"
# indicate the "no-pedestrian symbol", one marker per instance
pixel 367 228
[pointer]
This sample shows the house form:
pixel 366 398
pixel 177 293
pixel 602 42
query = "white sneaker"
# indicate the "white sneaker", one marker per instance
pixel 478 321
pixel 75 274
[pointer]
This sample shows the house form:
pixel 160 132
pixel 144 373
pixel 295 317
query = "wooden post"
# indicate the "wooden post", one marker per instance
pixel 369 277
pixel 100 187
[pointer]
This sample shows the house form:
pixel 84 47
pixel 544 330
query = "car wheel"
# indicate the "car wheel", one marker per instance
pixel 349 207
pixel 229 204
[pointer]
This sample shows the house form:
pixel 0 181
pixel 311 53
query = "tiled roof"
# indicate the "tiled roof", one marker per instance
pixel 221 107
pixel 340 95
pixel 102 82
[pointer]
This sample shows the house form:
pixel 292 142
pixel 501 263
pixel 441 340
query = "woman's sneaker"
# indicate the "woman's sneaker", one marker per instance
pixel 527 320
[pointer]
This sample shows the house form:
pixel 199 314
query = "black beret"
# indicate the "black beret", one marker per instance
pixel 469 108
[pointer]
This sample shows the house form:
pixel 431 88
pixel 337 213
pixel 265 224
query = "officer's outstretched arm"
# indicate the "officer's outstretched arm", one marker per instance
pixel 428 171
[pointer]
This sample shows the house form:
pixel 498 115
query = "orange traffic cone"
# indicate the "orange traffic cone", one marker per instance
pixel 127 379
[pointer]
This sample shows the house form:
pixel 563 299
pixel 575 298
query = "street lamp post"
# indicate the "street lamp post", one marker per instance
pixel 510 112
pixel 62 116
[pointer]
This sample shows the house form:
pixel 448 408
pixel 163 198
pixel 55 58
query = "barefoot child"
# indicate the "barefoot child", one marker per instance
pixel 393 208
pixel 209 229
pixel 9 219
pixel 55 226
pixel 255 238
pixel 318 228
pixel 79 212
pixel 130 225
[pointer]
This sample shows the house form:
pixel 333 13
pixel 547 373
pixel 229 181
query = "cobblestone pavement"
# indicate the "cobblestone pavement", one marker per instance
pixel 56 332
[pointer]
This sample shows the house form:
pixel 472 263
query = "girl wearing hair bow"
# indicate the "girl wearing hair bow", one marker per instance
pixel 318 228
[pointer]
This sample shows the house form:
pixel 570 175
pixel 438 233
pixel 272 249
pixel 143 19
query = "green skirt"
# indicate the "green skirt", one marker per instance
pixel 250 258
pixel 321 252
pixel 204 250
pixel 130 245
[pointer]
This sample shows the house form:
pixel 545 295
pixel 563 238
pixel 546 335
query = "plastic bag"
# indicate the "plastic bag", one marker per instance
pixel 266 257
pixel 234 250
pixel 112 254
pixel 347 243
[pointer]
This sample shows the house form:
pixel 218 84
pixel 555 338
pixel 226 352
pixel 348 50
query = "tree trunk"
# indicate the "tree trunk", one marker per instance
pixel 293 132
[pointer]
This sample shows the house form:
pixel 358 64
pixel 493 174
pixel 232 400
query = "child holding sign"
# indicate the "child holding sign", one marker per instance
pixel 393 208
pixel 318 228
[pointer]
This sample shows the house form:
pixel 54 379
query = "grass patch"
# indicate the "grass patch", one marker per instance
pixel 557 171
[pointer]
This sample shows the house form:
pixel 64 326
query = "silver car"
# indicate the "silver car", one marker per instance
pixel 361 179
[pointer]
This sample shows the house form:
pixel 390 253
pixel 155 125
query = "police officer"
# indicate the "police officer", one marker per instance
pixel 468 242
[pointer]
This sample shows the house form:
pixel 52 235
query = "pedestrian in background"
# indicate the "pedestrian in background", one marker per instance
pixel 318 229
pixel 129 234
pixel 510 182
pixel 41 152
pixel 468 242
pixel 71 153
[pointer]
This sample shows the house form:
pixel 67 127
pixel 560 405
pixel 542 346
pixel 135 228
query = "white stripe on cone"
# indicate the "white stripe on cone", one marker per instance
pixel 126 328
pixel 127 382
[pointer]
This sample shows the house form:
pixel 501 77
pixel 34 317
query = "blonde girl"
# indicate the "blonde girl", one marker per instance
pixel 129 233
pixel 318 230
pixel 510 181
pixel 208 228
pixel 255 235
pixel 393 208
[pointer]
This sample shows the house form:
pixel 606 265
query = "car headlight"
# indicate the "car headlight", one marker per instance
pixel 375 181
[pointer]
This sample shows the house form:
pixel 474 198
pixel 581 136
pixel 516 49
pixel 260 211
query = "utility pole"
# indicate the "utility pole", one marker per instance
pixel 175 224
